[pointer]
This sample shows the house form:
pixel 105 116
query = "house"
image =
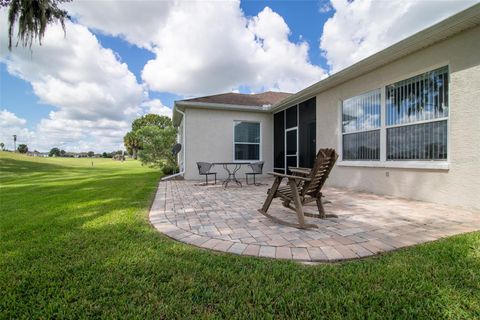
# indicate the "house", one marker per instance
pixel 405 121
pixel 230 127
pixel 36 153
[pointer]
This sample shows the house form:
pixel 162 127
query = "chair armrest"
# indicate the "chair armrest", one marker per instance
pixel 304 171
pixel 279 175
pixel 300 168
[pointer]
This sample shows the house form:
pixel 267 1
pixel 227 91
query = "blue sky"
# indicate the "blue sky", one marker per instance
pixel 18 94
pixel 261 45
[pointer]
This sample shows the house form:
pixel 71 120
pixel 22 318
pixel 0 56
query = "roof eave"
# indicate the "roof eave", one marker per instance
pixel 463 20
pixel 181 105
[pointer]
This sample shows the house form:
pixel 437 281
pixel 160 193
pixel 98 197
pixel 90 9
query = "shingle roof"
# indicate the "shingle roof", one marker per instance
pixel 259 99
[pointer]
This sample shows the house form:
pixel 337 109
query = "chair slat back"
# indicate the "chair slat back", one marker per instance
pixel 324 163
pixel 204 167
pixel 257 167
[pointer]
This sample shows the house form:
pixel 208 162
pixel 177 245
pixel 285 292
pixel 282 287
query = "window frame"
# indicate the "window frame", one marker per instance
pixel 441 164
pixel 361 130
pixel 260 158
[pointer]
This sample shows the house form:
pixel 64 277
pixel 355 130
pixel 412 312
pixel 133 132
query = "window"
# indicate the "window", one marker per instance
pixel 361 127
pixel 416 118
pixel 409 124
pixel 246 141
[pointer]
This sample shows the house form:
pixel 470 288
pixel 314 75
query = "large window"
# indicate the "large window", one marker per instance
pixel 361 127
pixel 417 112
pixel 246 141
pixel 409 123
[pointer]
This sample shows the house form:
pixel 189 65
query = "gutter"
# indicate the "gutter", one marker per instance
pixel 223 106
pixel 181 173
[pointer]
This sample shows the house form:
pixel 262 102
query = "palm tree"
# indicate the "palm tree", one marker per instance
pixel 2 145
pixel 32 16
pixel 132 142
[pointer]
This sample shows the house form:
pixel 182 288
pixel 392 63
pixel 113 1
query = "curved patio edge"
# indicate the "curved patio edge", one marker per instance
pixel 159 221
pixel 333 243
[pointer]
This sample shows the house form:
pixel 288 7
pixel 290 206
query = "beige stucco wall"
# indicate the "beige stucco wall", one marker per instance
pixel 460 184
pixel 209 138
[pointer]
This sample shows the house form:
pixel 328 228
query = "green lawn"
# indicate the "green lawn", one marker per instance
pixel 76 243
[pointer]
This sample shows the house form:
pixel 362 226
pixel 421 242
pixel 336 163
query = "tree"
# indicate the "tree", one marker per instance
pixel 151 120
pixel 90 154
pixel 157 144
pixel 22 148
pixel 2 146
pixel 132 143
pixel 54 152
pixel 105 155
pixel 62 153
pixel 14 143
pixel 32 17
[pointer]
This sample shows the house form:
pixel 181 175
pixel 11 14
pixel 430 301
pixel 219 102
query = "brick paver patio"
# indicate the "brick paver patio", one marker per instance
pixel 367 224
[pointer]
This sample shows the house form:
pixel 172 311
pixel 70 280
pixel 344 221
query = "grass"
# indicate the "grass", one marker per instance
pixel 76 243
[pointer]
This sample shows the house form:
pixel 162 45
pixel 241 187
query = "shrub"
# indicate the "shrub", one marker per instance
pixel 169 169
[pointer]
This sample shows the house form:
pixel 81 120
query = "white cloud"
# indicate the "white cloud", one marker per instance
pixel 156 106
pixel 11 124
pixel 363 27
pixel 9 119
pixel 207 47
pixel 95 94
pixel 324 6
pixel 81 135
pixel 137 21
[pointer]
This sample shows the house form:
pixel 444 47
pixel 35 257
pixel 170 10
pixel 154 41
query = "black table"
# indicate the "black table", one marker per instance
pixel 231 171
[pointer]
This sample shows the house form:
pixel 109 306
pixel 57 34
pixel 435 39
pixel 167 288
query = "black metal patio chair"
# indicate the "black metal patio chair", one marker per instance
pixel 204 170
pixel 257 168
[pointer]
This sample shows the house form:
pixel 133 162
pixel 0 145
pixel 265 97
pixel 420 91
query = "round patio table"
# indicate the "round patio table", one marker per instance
pixel 231 171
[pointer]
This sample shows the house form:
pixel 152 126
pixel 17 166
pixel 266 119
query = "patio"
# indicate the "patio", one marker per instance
pixel 227 220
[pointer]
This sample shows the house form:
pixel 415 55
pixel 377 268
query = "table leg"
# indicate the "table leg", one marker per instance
pixel 237 167
pixel 231 175
pixel 226 181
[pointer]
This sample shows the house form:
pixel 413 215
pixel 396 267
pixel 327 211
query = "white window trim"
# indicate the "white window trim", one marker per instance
pixel 427 164
pixel 285 169
pixel 285 147
pixel 257 143
pixel 384 163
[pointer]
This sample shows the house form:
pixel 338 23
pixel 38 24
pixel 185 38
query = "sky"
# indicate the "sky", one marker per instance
pixel 120 59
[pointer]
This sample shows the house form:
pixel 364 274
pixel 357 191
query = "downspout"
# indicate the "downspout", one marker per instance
pixel 181 173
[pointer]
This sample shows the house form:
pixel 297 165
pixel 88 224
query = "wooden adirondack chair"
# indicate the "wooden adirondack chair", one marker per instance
pixel 302 187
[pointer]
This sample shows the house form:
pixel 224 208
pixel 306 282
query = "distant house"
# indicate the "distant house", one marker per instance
pixel 81 155
pixel 37 154
pixel 405 121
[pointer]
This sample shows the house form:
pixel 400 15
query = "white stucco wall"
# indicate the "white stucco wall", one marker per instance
pixel 460 184
pixel 209 138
